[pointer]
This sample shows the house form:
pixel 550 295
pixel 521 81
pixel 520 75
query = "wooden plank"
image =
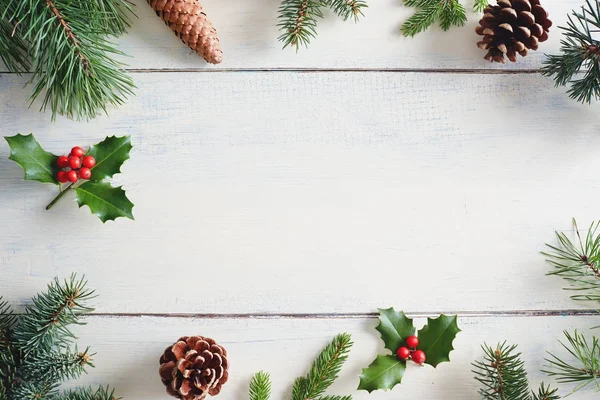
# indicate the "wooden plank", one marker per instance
pixel 128 350
pixel 248 34
pixel 314 192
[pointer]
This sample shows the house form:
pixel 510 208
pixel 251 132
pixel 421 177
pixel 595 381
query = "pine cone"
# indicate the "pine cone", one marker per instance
pixel 194 367
pixel 189 22
pixel 511 27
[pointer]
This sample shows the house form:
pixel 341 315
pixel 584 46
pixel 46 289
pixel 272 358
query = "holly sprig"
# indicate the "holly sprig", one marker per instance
pixel 432 345
pixel 105 201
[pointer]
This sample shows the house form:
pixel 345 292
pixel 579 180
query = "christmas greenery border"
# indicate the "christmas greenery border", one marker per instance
pixel 105 201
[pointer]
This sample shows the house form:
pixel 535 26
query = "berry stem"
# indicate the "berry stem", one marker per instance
pixel 57 198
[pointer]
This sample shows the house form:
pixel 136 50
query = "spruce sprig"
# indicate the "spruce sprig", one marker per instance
pixel 503 376
pixel 584 367
pixel 480 5
pixel 578 263
pixel 324 371
pixel 73 63
pixel 298 18
pixel 447 13
pixel 13 50
pixel 579 52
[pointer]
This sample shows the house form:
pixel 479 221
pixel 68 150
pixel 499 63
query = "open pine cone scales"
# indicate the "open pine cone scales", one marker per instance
pixel 511 27
pixel 194 367
pixel 188 21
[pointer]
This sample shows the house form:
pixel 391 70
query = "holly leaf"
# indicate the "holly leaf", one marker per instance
pixel 383 373
pixel 38 164
pixel 436 338
pixel 110 154
pixel 394 327
pixel 105 201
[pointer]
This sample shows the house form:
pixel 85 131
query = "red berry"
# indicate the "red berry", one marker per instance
pixel 62 176
pixel 74 162
pixel 418 356
pixel 85 173
pixel 412 341
pixel 72 176
pixel 77 152
pixel 88 161
pixel 62 161
pixel 403 353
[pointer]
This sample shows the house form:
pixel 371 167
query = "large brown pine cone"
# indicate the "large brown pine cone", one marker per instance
pixel 194 367
pixel 189 22
pixel 511 27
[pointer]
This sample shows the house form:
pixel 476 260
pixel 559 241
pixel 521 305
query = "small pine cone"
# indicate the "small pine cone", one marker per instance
pixel 190 24
pixel 511 27
pixel 194 367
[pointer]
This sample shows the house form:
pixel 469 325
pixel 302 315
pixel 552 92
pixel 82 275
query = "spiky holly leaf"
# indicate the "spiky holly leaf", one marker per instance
pixel 383 373
pixel 110 154
pixel 394 327
pixel 106 202
pixel 436 338
pixel 38 164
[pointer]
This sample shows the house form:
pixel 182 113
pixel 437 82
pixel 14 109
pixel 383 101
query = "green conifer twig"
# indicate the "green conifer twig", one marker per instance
pixel 260 386
pixel 448 13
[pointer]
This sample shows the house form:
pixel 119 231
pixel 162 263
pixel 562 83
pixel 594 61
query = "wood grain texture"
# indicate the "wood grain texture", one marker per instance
pixel 314 193
pixel 248 34
pixel 128 350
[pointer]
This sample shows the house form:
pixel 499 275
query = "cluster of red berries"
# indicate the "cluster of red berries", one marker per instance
pixel 74 167
pixel 409 351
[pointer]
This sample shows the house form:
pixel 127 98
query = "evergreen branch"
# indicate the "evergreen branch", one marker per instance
pixel 578 263
pixel 57 366
pixel 347 8
pixel 334 397
pixel 40 390
pixel 7 322
pixel 298 21
pixel 545 393
pixel 74 67
pixel 448 12
pixel 579 51
pixel 101 393
pixel 502 374
pixel 583 369
pixel 480 5
pixel 44 324
pixel 13 50
pixel 260 386
pixel 324 371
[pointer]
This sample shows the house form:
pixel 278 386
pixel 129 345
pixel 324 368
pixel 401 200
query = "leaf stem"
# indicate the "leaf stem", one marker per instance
pixel 60 195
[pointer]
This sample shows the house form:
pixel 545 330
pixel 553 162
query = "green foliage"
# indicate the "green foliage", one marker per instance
pixel 13 50
pixel 298 18
pixel 503 376
pixel 73 62
pixel 579 52
pixel 447 13
pixel 323 372
pixel 38 164
pixel 260 386
pixel 583 367
pixel 578 263
pixel 105 201
pixel 436 338
pixel 37 351
pixel 480 5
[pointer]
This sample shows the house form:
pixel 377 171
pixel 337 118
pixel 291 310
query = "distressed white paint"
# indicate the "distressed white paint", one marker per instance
pixel 248 34
pixel 128 351
pixel 318 192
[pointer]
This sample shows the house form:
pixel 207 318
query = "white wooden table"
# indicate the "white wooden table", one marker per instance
pixel 281 198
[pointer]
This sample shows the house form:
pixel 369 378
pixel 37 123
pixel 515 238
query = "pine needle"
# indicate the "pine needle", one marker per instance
pixel 480 5
pixel 260 386
pixel 447 13
pixel 347 8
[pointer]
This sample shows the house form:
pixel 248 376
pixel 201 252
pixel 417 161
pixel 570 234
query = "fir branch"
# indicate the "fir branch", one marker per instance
pixel 347 8
pixel 101 393
pixel 57 366
pixel 502 374
pixel 325 369
pixel 579 52
pixel 578 263
pixel 584 367
pixel 448 12
pixel 74 67
pixel 545 393
pixel 480 5
pixel 298 21
pixel 7 322
pixel 260 386
pixel 44 324
pixel 13 50
pixel 39 390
